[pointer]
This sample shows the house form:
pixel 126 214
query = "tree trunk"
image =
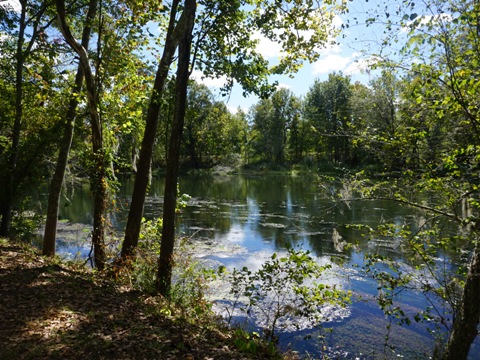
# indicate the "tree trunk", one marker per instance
pixel 135 214
pixel 50 233
pixel 100 193
pixel 466 322
pixel 9 189
pixel 165 261
pixel 98 178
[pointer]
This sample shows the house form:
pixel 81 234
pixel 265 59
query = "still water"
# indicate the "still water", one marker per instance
pixel 248 218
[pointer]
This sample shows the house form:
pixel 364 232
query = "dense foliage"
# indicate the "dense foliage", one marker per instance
pixel 415 127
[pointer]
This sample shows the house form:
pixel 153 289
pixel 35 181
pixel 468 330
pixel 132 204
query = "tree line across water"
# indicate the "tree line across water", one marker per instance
pixel 80 97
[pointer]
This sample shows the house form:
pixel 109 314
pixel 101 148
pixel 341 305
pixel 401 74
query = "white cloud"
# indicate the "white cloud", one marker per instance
pixel 283 86
pixel 208 81
pixel 330 63
pixel 356 67
pixel 234 109
pixel 266 47
pixel 331 55
pixel 331 59
pixel 334 58
pixel 271 49
pixel 337 22
pixel 360 65
pixel 11 5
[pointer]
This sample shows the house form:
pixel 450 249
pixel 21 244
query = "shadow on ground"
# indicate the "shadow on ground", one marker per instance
pixel 52 311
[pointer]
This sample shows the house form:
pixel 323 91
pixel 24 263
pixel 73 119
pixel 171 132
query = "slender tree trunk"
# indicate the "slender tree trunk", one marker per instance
pixel 135 214
pixel 465 324
pixel 98 177
pixel 59 174
pixel 165 261
pixel 9 189
pixel 100 193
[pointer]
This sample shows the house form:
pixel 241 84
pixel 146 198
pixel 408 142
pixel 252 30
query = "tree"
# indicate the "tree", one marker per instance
pixel 296 138
pixel 165 261
pixel 272 119
pixel 98 177
pixel 442 95
pixel 113 76
pixel 211 134
pixel 384 122
pixel 233 56
pixel 261 115
pixel 132 230
pixel 456 44
pixel 50 233
pixel 235 140
pixel 286 110
pixel 375 122
pixel 29 26
pixel 223 135
pixel 159 157
pixel 362 107
pixel 200 103
pixel 230 12
pixel 327 109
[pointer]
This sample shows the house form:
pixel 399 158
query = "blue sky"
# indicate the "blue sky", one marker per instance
pixel 350 55
pixel 353 52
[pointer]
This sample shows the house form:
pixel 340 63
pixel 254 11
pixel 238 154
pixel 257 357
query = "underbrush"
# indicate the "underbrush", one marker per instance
pixel 189 280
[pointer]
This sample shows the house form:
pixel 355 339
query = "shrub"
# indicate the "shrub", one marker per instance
pixel 282 290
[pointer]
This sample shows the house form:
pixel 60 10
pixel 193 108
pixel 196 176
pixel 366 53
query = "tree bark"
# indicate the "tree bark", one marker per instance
pixel 11 180
pixel 50 233
pixel 165 261
pixel 135 214
pixel 465 324
pixel 98 177
pixel 9 189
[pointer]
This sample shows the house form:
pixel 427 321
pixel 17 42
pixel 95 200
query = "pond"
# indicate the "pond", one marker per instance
pixel 250 217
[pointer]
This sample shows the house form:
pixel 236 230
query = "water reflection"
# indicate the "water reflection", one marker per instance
pixel 264 212
pixel 248 218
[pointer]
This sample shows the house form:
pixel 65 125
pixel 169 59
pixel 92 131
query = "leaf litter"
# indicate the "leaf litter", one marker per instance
pixel 55 310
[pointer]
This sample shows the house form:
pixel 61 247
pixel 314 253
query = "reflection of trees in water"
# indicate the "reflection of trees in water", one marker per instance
pixel 76 205
pixel 277 210
pixel 281 210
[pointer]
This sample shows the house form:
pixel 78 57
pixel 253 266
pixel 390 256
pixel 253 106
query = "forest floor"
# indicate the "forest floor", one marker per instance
pixel 55 310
